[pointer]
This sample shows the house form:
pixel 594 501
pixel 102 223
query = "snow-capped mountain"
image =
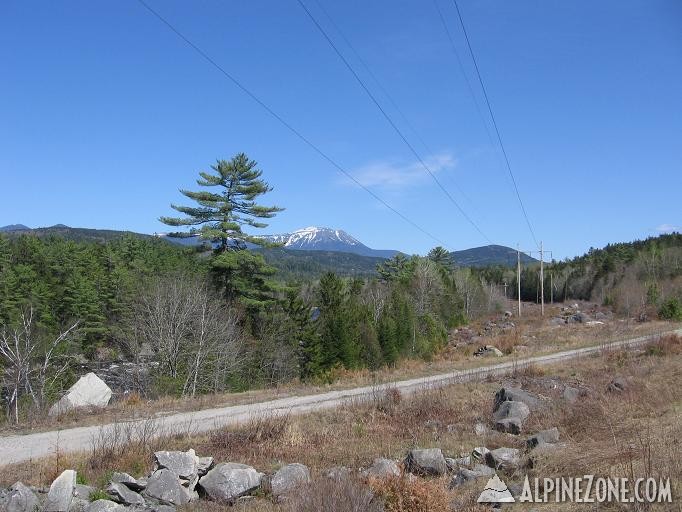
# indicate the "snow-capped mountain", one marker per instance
pixel 326 239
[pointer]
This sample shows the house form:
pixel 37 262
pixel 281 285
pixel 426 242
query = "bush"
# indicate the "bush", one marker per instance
pixel 671 310
pixel 405 495
pixel 328 495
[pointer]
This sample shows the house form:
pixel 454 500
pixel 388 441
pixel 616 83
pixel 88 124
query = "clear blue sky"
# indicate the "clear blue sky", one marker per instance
pixel 105 113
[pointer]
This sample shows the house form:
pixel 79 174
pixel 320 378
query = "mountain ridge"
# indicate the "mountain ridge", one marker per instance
pixel 306 240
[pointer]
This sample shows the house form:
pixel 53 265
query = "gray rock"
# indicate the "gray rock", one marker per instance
pixel 129 481
pixel 426 462
pixel 465 475
pixel 383 468
pixel 79 504
pixel 550 436
pixel 83 491
pixel 60 495
pixel 183 464
pixel 289 478
pixel 162 508
pixel 557 320
pixel 163 486
pixel 505 459
pixel 511 394
pixel 19 498
pixel 104 506
pixel 580 318
pixel 509 425
pixel 229 481
pixel 512 410
pixel 204 464
pixel 478 454
pixel 123 495
pixel 488 350
pixel 571 394
pixel 481 429
pixel 89 391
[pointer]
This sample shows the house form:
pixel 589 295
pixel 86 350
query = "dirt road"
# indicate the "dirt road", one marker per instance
pixel 19 448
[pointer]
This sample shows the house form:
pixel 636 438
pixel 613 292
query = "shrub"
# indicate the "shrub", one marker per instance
pixel 99 494
pixel 342 495
pixel 405 495
pixel 258 431
pixel 671 310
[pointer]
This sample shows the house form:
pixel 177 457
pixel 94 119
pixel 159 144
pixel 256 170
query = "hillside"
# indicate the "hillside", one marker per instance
pixel 489 255
pixel 297 264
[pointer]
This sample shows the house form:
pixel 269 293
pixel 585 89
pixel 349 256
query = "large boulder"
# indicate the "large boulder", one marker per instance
pixel 511 394
pixel 89 391
pixel 60 495
pixel 504 459
pixel 229 481
pixel 164 487
pixel 428 462
pixel 465 475
pixel 129 481
pixel 544 437
pixel 19 498
pixel 104 506
pixel 509 417
pixel 382 468
pixel 289 478
pixel 182 464
pixel 123 495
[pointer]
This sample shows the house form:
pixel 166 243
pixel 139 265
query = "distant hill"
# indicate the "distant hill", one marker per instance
pixel 333 248
pixel 489 255
pixel 14 227
pixel 69 233
pixel 297 264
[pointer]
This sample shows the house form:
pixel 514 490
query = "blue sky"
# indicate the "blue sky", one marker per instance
pixel 105 114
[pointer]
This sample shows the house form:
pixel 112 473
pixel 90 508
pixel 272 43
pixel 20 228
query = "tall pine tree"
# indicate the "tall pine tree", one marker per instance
pixel 219 217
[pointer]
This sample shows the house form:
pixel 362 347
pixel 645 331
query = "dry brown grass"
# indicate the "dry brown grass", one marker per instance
pixel 632 433
pixel 402 494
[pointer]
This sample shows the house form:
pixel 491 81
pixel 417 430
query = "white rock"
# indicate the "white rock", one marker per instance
pixel 60 495
pixel 89 391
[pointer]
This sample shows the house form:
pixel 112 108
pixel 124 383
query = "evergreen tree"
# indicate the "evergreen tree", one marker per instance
pixel 441 257
pixel 220 217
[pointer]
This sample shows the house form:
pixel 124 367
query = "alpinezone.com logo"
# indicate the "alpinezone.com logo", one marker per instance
pixel 585 489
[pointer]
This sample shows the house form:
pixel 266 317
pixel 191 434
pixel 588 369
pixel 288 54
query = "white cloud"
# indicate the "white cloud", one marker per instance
pixel 397 175
pixel 669 228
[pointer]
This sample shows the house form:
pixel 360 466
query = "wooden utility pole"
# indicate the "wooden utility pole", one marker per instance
pixel 518 275
pixel 542 282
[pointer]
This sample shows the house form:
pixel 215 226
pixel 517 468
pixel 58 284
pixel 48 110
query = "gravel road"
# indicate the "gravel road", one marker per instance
pixel 20 448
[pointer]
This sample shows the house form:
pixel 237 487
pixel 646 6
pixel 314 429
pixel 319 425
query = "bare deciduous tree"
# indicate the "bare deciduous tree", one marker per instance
pixel 30 361
pixel 427 285
pixel 194 334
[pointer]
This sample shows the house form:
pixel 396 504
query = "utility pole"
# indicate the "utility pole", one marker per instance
pixel 518 276
pixel 505 289
pixel 542 282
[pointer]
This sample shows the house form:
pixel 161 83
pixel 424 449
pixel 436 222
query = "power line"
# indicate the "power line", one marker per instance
pixel 384 91
pixel 293 130
pixel 492 116
pixel 464 73
pixel 390 121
